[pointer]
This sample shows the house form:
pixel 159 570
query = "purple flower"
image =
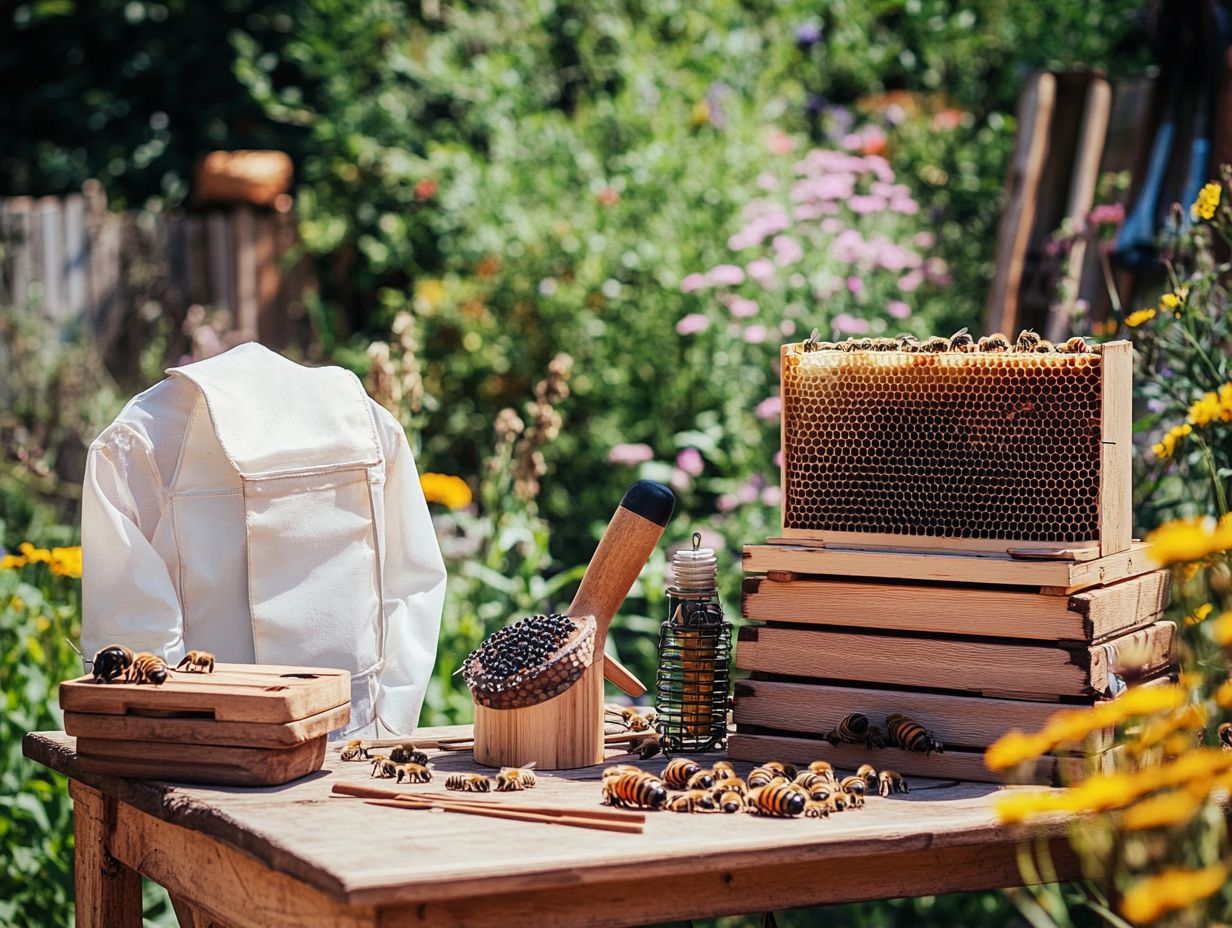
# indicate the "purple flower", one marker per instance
pixel 741 308
pixel 808 35
pixel 755 334
pixel 630 454
pixel 690 461
pixel 692 324
pixel 786 250
pixel 898 309
pixel 862 204
pixel 692 282
pixel 849 324
pixel 855 285
pixel 725 275
pixel 761 270
pixel 905 205
pixel 770 407
pixel 1112 214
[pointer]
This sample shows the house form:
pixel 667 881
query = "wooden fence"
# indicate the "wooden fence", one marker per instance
pixel 114 274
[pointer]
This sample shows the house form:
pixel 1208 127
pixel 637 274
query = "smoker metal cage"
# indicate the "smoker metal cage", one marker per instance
pixel 977 451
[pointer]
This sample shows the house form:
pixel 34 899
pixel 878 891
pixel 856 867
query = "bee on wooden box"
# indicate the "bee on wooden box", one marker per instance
pixel 514 779
pixel 111 662
pixel 406 754
pixel 912 736
pixel 414 773
pixel 148 668
pixel 630 718
pixel 635 790
pixel 855 729
pixel 780 799
pixel 648 747
pixel 383 767
pixel 695 800
pixel 468 783
pixel 723 770
pixel 854 784
pixel 994 342
pixel 354 750
pixel 677 772
pixel 727 800
pixel 868 773
pixel 196 662
pixel 890 782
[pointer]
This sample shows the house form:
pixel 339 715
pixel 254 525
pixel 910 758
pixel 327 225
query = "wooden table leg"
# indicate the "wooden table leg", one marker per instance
pixel 108 894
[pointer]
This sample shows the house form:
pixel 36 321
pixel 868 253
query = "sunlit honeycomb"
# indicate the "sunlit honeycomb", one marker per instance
pixel 949 445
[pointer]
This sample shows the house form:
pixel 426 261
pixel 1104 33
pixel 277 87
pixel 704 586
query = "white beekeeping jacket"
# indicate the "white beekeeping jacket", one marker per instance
pixel 267 513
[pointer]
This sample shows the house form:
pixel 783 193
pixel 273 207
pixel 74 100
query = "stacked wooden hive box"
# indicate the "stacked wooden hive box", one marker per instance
pixel 956 549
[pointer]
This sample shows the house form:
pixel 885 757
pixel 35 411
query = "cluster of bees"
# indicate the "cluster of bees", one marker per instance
pixel 118 664
pixel 899 732
pixel 772 789
pixel 1028 342
pixel 638 722
pixel 405 762
pixel 508 780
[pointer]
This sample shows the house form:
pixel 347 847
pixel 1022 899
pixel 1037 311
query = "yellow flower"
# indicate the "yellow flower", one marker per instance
pixel 1221 629
pixel 700 114
pixel 1170 301
pixel 1199 615
pixel 1208 201
pixel 1014 748
pixel 17 604
pixel 34 555
pixel 1223 695
pixel 12 562
pixel 1215 406
pixel 1019 806
pixel 446 488
pixel 1175 807
pixel 429 294
pixel 66 562
pixel 1183 540
pixel 42 623
pixel 1154 896
pixel 1138 317
pixel 1166 446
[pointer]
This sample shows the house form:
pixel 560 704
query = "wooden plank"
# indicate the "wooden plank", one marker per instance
pixel 1116 454
pixel 196 254
pixel 244 225
pixel 977 666
pixel 1075 551
pixel 1035 109
pixel 200 763
pixel 956 721
pixel 76 257
pixel 50 220
pixel 1003 613
pixel 271 324
pixel 233 693
pixel 106 893
pixel 18 227
pixel 953 765
pixel 221 261
pixel 205 731
pixel 948 568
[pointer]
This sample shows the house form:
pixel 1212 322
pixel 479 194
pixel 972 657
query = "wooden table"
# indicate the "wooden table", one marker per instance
pixel 295 856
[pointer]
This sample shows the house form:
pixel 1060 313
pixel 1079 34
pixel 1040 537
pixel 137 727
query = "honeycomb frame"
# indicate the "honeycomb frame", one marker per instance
pixel 958 451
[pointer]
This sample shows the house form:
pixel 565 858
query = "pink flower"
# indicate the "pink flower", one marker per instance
pixel 630 454
pixel 779 142
pixel 727 502
pixel 905 205
pixel 924 240
pixel 725 275
pixel 770 407
pixel 679 480
pixel 742 308
pixel 761 270
pixel 855 285
pixel 767 181
pixel 848 246
pixel 690 461
pixel 787 327
pixel 692 324
pixel 849 324
pixel 1112 214
pixel 831 226
pixel 692 282
pixel 771 496
pixel 898 309
pixel 937 271
pixel 748 493
pixel 910 282
pixel 778 459
pixel 786 250
pixel 755 334
pixel 863 205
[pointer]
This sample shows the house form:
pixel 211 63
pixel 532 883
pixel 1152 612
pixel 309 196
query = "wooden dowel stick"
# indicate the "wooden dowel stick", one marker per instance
pixel 632 828
pixel 364 791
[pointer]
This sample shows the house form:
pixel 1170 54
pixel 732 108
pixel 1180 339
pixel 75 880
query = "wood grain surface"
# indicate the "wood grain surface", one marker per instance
pixel 201 763
pixel 350 852
pixel 206 731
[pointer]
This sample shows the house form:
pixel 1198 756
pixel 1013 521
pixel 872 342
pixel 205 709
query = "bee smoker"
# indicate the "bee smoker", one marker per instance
pixel 694 651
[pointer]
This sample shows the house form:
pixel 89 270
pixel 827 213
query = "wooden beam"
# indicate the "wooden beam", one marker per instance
pixel 106 891
pixel 1116 510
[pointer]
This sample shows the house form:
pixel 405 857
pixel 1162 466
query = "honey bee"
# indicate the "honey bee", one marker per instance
pixel 855 729
pixel 406 754
pixel 868 773
pixel 1225 736
pixel 807 779
pixel 414 773
pixel 468 783
pixel 723 770
pixel 853 785
pixel 148 668
pixel 635 790
pixel 383 767
pixel 817 808
pixel 936 344
pixel 731 785
pixel 857 344
pixel 912 736
pixel 514 779
pixel 822 767
pixel 678 772
pixel 813 342
pixel 761 776
pixel 618 770
pixel 783 800
pixel 890 782
pixel 854 800
pixel 786 771
pixel 885 344
pixel 693 801
pixel 354 750
pixel 1028 340
pixel 196 662
pixel 648 747
pixel 962 341
pixel 1044 347
pixel 727 800
pixel 631 718
pixel 703 779
pixel 994 342
pixel 908 342
pixel 1075 345
pixel 111 663
pixel 838 800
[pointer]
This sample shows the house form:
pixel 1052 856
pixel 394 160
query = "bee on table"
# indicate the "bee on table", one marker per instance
pixel 765 774
pixel 513 779
pixel 703 779
pixel 868 773
pixel 196 662
pixel 994 342
pixel 912 736
pixel 823 768
pixel 468 783
pixel 630 718
pixel 1075 345
pixel 383 767
pixel 854 785
pixel 677 773
pixel 817 808
pixel 855 800
pixel 650 745
pixel 809 781
pixel 732 785
pixel 695 800
pixel 617 770
pixel 354 750
pixel 414 773
pixel 111 663
pixel 634 790
pixel 723 770
pixel 890 782
pixel 727 800
pixel 786 771
pixel 148 668
pixel 783 800
pixel 962 341
pixel 406 754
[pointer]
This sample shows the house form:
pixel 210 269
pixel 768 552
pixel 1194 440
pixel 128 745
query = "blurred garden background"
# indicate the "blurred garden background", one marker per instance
pixel 561 241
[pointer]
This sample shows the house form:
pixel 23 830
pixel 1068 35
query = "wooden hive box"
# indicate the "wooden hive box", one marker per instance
pixel 243 725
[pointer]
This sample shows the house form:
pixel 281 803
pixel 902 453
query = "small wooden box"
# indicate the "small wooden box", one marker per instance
pixel 243 725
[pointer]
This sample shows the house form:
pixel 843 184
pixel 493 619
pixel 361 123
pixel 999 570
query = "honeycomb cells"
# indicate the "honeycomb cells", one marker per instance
pixel 981 445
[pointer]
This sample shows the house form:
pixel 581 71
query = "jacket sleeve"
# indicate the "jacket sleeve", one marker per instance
pixel 128 596
pixel 414 587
